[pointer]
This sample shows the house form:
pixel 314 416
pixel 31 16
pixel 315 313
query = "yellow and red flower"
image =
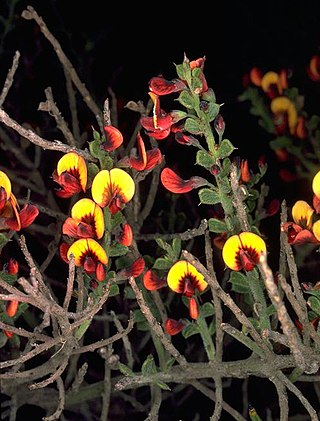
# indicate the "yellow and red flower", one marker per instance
pixel 86 220
pixel 285 114
pixel 273 84
pixel 243 251
pixel 89 254
pixel 11 217
pixel 146 160
pixel 71 175
pixel 113 138
pixel 112 188
pixel 159 125
pixel 184 279
pixel 172 182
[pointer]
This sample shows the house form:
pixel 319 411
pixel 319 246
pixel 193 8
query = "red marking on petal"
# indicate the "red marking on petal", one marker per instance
pixel 89 264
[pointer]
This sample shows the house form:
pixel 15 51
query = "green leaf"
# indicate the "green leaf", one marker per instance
pixel 93 170
pixel 82 329
pixel 169 363
pixel 186 99
pixel 107 219
pixel 162 263
pixel 280 142
pixel 314 303
pixel 216 225
pixel 94 148
pixel 207 310
pixel 116 220
pixel 96 135
pixel 6 277
pixel 164 245
pixel 125 370
pixel 239 282
pixel 225 148
pixel 212 327
pixel 176 247
pixel 209 196
pixel 116 249
pixel 192 125
pixel 213 111
pixel 148 367
pixel 204 159
pixel 190 330
pixel 209 95
pixel 3 240
pixel 183 71
pixel 128 293
pixel 106 161
pixel 162 385
pixel 114 290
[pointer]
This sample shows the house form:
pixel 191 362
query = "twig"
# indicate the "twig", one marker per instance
pixel 282 399
pixel 105 342
pixel 106 395
pixel 53 110
pixel 61 402
pixel 79 378
pixel 156 397
pixel 239 197
pixel 53 376
pixel 9 79
pixel 29 14
pixel 55 145
pixel 73 108
pixel 125 340
pixel 154 325
pixel 70 283
pixel 186 235
pixel 287 325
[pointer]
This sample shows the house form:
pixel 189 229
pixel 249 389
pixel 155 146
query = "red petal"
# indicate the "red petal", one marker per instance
pixel 193 308
pixel 113 137
pixel 89 264
pixel 135 269
pixel 27 215
pixel 63 250
pixel 173 327
pixel 100 272
pixel 12 267
pixel 161 86
pixel 172 182
pixel 154 158
pixel 12 307
pixel 152 282
pixel 126 236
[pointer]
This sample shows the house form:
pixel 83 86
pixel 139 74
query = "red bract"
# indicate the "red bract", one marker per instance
pixel 135 269
pixel 125 237
pixel 172 182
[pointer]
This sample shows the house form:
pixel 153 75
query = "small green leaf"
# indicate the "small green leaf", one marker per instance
pixel 116 249
pixel 314 304
pixel 96 135
pixel 148 367
pixel 82 329
pixel 216 225
pixel 209 95
pixel 3 240
pixel 207 310
pixel 239 282
pixel 213 111
pixel 186 99
pixel 169 363
pixel 209 196
pixel 162 263
pixel 204 159
pixel 116 220
pixel 6 277
pixel 225 148
pixel 183 71
pixel 125 370
pixel 280 142
pixel 93 170
pixel 114 290
pixel 192 125
pixel 95 148
pixel 190 330
pixel 163 244
pixel 176 247
pixel 128 293
pixel 106 161
pixel 162 385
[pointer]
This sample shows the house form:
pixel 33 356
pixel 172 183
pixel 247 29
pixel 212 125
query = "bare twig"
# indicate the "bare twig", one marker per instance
pixel 61 402
pixel 9 79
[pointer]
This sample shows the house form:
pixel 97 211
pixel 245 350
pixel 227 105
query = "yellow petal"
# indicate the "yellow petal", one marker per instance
pixel 5 183
pixel 282 104
pixel 182 269
pixel 75 165
pixel 84 247
pixel 108 184
pixel 270 78
pixel 302 214
pixel 316 185
pixel 88 211
pixel 316 230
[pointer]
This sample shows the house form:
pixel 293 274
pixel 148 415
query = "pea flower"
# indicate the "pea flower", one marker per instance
pixel 173 327
pixel 243 251
pixel 285 114
pixel 86 220
pixel 89 254
pixel 152 282
pixel 125 236
pixel 11 216
pixel 71 175
pixel 113 138
pixel 313 69
pixel 184 279
pixel 112 188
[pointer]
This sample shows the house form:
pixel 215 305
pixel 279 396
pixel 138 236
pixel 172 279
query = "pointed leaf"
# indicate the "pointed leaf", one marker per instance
pixel 209 196
pixel 225 148
pixel 216 225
